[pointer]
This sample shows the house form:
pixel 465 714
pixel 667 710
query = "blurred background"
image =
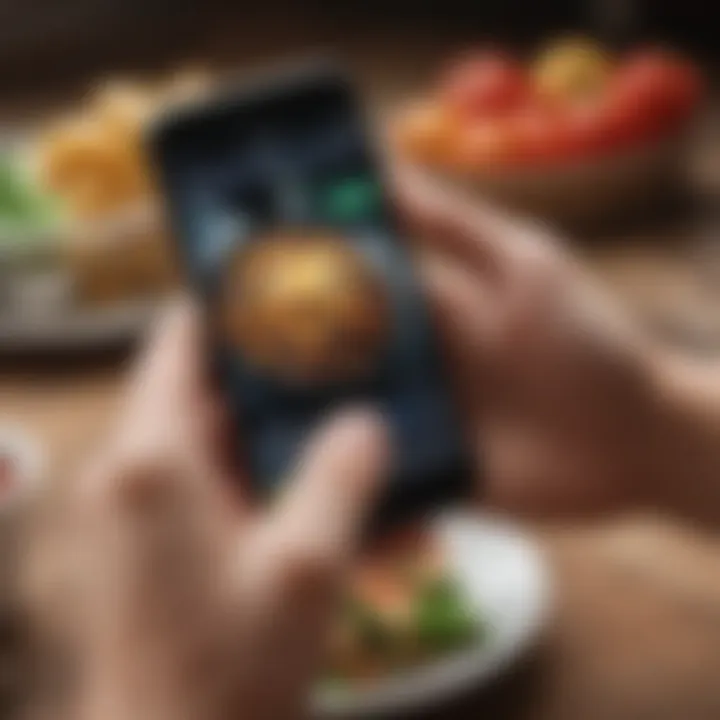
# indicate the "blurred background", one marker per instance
pixel 615 140
pixel 79 79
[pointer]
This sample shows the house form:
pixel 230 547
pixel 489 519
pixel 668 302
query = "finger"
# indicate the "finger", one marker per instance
pixel 323 512
pixel 466 307
pixel 169 430
pixel 445 221
pixel 170 408
pixel 168 383
pixel 481 235
pixel 290 577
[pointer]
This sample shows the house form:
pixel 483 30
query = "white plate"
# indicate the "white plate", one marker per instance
pixel 76 330
pixel 506 581
pixel 39 305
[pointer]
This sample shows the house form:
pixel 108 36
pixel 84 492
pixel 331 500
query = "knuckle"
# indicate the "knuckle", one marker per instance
pixel 135 478
pixel 305 568
pixel 146 479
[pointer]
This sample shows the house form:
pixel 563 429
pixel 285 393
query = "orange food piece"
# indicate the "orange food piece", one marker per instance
pixel 387 578
pixel 484 144
pixel 425 132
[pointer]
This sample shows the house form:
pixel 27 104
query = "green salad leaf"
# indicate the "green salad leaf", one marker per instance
pixel 443 620
pixel 22 204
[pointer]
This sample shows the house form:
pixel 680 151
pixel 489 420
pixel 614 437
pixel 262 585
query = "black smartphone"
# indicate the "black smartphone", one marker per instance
pixel 285 230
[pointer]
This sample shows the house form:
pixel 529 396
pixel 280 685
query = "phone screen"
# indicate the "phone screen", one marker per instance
pixel 285 229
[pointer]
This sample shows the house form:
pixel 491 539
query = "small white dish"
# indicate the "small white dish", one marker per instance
pixel 506 582
pixel 44 306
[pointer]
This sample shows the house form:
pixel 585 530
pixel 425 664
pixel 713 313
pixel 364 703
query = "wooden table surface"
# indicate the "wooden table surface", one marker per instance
pixel 636 628
pixel 635 632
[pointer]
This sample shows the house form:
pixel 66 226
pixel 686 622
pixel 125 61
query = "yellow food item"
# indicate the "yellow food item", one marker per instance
pixel 82 162
pixel 573 68
pixel 95 160
pixel 305 307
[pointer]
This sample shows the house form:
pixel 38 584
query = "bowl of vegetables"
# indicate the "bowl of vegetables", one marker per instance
pixel 575 135
pixel 433 614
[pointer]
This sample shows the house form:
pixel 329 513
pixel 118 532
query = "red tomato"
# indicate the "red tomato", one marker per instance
pixel 545 135
pixel 487 84
pixel 595 128
pixel 539 135
pixel 660 88
pixel 627 123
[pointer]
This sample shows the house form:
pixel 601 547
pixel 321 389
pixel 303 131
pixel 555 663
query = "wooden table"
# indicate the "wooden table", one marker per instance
pixel 635 633
pixel 636 629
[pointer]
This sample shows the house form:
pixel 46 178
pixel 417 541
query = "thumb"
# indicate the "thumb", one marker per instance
pixel 301 552
pixel 337 479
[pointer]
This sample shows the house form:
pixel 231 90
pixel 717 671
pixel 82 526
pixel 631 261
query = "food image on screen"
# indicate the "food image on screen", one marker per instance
pixel 305 307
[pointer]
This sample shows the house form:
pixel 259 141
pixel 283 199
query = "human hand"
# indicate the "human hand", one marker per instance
pixel 190 604
pixel 560 391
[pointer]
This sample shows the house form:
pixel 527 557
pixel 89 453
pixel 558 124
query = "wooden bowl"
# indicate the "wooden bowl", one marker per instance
pixel 582 194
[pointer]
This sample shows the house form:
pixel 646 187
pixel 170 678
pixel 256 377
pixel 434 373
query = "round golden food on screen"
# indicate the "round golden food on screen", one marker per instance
pixel 306 307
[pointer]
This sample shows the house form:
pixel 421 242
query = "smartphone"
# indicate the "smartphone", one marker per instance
pixel 284 228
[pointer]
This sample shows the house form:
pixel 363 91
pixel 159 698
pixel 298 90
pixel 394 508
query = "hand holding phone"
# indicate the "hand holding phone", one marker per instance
pixel 285 231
